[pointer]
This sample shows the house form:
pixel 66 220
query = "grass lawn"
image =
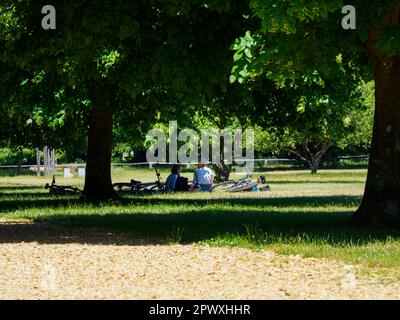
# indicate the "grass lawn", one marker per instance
pixel 302 215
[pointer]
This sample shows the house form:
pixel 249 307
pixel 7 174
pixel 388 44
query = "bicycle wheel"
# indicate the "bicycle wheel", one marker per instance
pixel 55 191
pixel 64 191
pixel 244 186
pixel 153 188
pixel 223 186
pixel 122 187
pixel 71 191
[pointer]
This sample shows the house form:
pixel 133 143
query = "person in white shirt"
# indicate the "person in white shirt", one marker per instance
pixel 203 178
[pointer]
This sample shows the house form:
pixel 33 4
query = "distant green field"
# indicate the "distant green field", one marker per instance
pixel 303 214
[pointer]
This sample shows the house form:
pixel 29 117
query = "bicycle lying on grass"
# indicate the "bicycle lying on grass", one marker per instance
pixel 62 190
pixel 137 187
pixel 242 185
pixel 158 187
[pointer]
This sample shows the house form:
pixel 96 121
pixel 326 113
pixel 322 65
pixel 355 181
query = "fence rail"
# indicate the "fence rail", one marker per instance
pixel 353 157
pixel 150 164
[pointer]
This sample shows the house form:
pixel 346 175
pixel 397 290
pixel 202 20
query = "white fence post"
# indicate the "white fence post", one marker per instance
pixel 81 171
pixel 45 155
pixel 67 172
pixel 53 161
pixel 38 162
pixel 49 161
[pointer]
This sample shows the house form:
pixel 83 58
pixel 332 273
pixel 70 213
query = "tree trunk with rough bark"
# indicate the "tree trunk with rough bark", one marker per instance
pixel 381 200
pixel 222 171
pixel 98 184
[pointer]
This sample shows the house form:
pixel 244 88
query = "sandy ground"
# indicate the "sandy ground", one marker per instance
pixel 45 262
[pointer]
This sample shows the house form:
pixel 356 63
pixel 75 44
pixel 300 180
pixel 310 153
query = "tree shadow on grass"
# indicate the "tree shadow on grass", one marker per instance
pixel 42 200
pixel 9 198
pixel 33 200
pixel 310 181
pixel 19 188
pixel 255 220
pixel 192 226
pixel 13 232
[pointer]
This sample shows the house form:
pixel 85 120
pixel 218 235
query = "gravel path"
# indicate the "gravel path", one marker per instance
pixel 46 262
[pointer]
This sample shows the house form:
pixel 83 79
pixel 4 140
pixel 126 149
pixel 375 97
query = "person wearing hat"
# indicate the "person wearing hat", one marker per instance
pixel 170 184
pixel 202 179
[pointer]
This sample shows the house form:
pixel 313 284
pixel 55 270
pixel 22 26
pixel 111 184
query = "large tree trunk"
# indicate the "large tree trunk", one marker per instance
pixel 98 185
pixel 222 171
pixel 381 201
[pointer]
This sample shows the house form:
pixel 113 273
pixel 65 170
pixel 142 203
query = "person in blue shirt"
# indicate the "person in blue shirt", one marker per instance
pixel 172 178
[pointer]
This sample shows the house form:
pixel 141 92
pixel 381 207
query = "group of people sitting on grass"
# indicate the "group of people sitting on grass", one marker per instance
pixel 202 179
